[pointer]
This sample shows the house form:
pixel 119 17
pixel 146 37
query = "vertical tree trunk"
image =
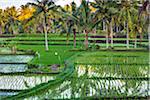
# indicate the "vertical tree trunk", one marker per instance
pixel 67 36
pixel 86 39
pixel 95 36
pixel 1 30
pixel 107 41
pixel 67 41
pixel 135 42
pixel 117 29
pixel 34 29
pixel 127 37
pixel 104 28
pixel 45 31
pixel 74 39
pixel 141 37
pixel 149 36
pixel 111 33
pixel 14 30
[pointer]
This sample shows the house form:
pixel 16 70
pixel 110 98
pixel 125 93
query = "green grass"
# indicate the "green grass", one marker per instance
pixel 116 57
pixel 49 57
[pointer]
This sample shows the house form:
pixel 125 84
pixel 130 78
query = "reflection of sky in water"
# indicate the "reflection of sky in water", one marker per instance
pixel 98 87
pixel 15 58
pixel 20 82
pixel 95 87
pixel 7 68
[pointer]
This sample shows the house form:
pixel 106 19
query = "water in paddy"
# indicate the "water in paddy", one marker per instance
pixel 20 82
pixel 15 58
pixel 14 63
pixel 128 76
pixel 11 64
pixel 104 80
pixel 8 68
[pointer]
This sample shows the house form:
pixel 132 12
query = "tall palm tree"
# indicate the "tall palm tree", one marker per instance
pixel 126 9
pixel 67 21
pixel 84 19
pixel 144 16
pixel 136 27
pixel 1 21
pixel 11 18
pixel 43 7
pixel 88 19
pixel 108 10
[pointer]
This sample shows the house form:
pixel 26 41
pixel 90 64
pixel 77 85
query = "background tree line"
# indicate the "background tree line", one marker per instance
pixel 105 17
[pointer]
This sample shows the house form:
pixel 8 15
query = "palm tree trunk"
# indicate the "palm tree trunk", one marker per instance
pixel 104 28
pixel 107 41
pixel 141 37
pixel 86 39
pixel 34 29
pixel 149 35
pixel 117 29
pixel 67 40
pixel 111 33
pixel 135 42
pixel 74 39
pixel 127 37
pixel 14 30
pixel 45 31
pixel 1 30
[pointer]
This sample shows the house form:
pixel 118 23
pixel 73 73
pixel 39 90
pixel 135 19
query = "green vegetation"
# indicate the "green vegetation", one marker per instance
pixel 114 71
pixel 50 57
pixel 98 50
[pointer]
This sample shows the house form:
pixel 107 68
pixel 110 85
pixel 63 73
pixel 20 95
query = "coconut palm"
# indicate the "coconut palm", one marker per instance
pixel 1 21
pixel 126 9
pixel 87 19
pixel 136 28
pixel 144 17
pixel 83 18
pixel 108 10
pixel 43 7
pixel 67 21
pixel 10 15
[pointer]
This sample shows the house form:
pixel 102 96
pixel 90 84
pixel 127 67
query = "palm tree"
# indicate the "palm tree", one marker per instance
pixel 84 19
pixel 43 7
pixel 144 16
pixel 88 19
pixel 1 21
pixel 108 10
pixel 67 21
pixel 126 9
pixel 10 15
pixel 25 13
